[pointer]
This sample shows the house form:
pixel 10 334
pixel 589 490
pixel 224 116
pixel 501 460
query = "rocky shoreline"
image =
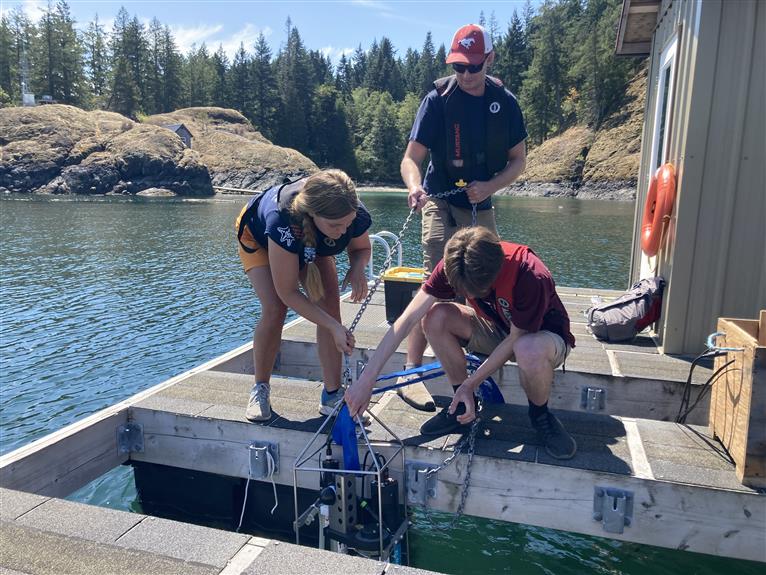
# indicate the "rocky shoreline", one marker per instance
pixel 617 190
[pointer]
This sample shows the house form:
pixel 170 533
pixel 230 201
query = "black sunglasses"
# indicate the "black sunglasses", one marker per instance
pixel 472 68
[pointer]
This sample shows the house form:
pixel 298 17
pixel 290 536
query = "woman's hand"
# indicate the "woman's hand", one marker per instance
pixel 344 339
pixel 356 278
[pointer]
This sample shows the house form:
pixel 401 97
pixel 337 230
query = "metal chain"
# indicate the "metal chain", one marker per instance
pixel 470 442
pixel 454 192
pixel 371 292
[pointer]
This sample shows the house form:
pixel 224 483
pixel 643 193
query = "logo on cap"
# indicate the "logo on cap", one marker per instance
pixel 467 43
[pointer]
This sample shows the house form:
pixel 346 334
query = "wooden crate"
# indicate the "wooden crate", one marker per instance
pixel 738 402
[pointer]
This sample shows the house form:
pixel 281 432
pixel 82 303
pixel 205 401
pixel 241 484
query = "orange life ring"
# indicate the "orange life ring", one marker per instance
pixel 658 207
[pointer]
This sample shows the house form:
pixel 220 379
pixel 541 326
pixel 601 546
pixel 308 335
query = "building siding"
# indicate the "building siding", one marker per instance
pixel 714 259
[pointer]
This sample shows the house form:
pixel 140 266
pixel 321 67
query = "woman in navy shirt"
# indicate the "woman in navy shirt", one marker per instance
pixel 289 236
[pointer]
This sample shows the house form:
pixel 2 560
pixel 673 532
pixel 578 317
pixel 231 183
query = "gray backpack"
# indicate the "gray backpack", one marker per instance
pixel 623 318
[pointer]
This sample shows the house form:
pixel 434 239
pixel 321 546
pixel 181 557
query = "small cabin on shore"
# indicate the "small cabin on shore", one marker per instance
pixel 182 132
pixel 705 115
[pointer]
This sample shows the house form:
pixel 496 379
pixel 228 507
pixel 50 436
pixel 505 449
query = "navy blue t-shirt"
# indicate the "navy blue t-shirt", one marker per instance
pixel 271 222
pixel 428 129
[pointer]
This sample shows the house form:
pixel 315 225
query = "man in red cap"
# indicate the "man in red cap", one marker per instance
pixel 474 130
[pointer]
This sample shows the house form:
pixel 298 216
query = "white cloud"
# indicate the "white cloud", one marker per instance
pixel 335 53
pixel 246 35
pixel 186 36
pixel 215 35
pixel 32 8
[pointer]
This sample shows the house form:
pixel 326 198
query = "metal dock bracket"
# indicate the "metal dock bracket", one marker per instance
pixel 259 459
pixel 421 482
pixel 593 398
pixel 613 507
pixel 130 438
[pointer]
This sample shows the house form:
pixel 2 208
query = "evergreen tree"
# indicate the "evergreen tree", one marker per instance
pixel 440 61
pixel 128 62
pixel 600 77
pixel 545 82
pixel 360 67
pixel 239 78
pixel 74 88
pixel 200 76
pixel 511 52
pixel 96 60
pixel 410 72
pixel 172 73
pixel 154 74
pixel 320 68
pixel 493 28
pixel 330 137
pixel 344 78
pixel 221 67
pixel 7 57
pixel 263 89
pixel 383 71
pixel 22 33
pixel 380 153
pixel 405 117
pixel 427 67
pixel 295 93
pixel 57 56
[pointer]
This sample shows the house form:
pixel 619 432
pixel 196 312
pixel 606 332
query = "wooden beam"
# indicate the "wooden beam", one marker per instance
pixel 62 462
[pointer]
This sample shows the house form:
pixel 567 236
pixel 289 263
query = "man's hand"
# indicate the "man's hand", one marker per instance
pixel 478 191
pixel 344 339
pixel 464 395
pixel 356 278
pixel 417 198
pixel 357 397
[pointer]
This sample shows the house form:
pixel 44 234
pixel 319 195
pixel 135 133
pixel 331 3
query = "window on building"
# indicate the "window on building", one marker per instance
pixel 663 105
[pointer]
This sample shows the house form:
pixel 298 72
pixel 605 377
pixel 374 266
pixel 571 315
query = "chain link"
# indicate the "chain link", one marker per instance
pixel 371 292
pixel 466 441
pixel 454 192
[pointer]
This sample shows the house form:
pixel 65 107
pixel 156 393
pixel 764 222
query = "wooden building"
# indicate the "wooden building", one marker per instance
pixel 182 132
pixel 705 115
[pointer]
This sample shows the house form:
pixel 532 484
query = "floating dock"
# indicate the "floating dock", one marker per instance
pixel 638 476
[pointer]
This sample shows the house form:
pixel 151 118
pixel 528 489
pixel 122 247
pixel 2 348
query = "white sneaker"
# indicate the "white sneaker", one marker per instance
pixel 258 406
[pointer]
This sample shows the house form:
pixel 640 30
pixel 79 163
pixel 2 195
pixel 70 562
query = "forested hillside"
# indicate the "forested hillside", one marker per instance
pixel 355 115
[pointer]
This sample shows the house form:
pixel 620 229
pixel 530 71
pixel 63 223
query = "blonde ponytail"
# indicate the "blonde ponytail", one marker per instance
pixel 313 281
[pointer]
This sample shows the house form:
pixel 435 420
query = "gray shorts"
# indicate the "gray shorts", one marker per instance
pixel 485 337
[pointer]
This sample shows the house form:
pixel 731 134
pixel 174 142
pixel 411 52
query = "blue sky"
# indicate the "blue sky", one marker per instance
pixel 334 27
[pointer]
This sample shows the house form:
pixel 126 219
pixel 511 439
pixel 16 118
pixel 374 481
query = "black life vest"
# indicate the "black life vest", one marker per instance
pixel 248 213
pixel 457 158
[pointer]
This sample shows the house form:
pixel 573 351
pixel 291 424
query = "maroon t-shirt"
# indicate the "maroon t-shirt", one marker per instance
pixel 523 293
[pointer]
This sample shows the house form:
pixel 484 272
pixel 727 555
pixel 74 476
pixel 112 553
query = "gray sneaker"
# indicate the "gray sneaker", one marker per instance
pixel 258 406
pixel 328 401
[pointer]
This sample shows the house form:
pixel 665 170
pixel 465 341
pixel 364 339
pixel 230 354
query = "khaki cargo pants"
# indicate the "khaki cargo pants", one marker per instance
pixel 440 222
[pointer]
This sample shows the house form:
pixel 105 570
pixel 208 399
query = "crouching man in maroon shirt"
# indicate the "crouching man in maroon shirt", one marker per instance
pixel 513 314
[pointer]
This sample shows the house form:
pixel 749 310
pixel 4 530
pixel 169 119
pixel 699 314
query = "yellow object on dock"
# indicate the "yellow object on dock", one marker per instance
pixel 400 283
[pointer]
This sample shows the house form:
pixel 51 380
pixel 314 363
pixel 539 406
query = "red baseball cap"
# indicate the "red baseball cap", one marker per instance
pixel 470 45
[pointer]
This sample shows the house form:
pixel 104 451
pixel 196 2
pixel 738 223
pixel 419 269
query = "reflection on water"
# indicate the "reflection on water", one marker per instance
pixel 103 297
